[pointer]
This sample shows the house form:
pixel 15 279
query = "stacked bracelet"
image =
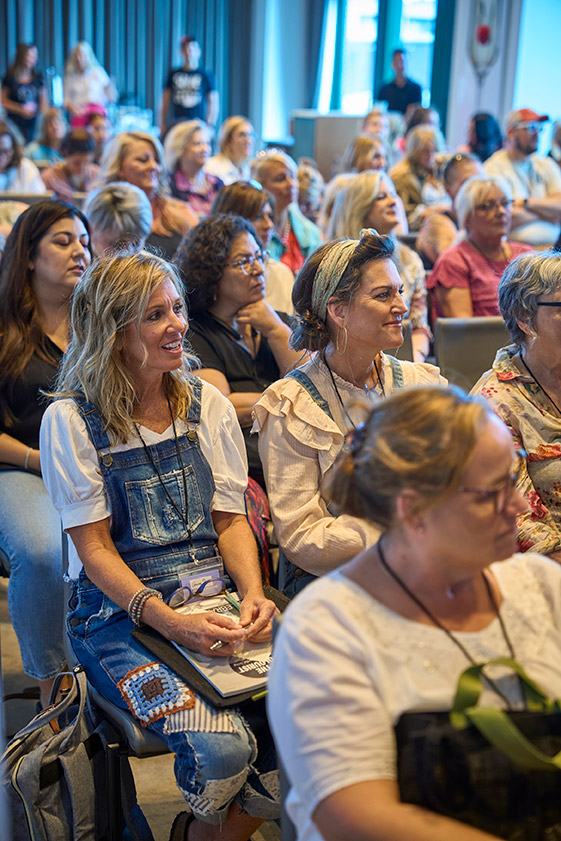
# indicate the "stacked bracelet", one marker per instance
pixel 136 604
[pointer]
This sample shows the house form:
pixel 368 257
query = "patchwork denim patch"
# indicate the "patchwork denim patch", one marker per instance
pixel 153 691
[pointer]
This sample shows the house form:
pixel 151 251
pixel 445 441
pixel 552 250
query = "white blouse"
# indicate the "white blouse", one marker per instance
pixel 298 444
pixel 69 461
pixel 346 667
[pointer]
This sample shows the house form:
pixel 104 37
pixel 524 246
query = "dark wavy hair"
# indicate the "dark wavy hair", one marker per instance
pixel 487 133
pixel 311 332
pixel 202 256
pixel 21 334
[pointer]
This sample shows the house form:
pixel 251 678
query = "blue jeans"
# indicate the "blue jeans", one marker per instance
pixel 161 524
pixel 219 758
pixel 30 536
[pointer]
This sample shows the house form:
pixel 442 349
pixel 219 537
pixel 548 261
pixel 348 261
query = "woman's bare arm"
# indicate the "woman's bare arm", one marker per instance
pixel 372 811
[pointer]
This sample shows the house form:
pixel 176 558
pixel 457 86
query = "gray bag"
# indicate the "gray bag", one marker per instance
pixel 57 782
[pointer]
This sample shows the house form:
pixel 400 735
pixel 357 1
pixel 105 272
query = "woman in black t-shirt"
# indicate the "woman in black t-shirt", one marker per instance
pixel 23 91
pixel 242 342
pixel 45 255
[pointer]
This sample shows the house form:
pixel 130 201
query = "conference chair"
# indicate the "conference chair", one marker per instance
pixel 465 347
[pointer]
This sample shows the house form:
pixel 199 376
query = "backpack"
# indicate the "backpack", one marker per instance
pixel 55 774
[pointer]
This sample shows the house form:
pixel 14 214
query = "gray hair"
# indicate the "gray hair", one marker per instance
pixel 115 151
pixel 526 279
pixel 120 208
pixel 177 139
pixel 418 138
pixel 263 161
pixel 474 191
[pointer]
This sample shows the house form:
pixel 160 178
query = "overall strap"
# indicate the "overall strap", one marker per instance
pixel 93 421
pixel 306 383
pixel 397 372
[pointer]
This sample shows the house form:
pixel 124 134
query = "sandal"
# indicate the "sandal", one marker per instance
pixel 180 826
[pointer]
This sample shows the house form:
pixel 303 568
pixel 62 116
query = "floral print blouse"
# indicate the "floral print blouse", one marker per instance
pixel 520 403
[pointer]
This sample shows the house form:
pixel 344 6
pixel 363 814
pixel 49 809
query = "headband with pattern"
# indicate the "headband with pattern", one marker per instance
pixel 331 270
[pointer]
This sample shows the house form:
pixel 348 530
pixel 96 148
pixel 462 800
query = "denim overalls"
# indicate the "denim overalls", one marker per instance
pixel 215 749
pixel 292 578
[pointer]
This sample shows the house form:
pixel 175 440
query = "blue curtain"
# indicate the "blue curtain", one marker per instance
pixel 137 41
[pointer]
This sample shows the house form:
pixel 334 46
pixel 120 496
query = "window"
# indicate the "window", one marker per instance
pixel 418 19
pixel 359 55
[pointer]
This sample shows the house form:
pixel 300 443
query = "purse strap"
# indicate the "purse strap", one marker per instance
pixel 495 724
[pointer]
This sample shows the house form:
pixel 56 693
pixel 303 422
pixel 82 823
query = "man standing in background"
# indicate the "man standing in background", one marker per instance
pixel 402 91
pixel 190 92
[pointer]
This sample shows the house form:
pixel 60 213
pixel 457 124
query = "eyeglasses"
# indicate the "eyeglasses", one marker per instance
pixel 548 304
pixel 246 265
pixel 488 206
pixel 502 494
pixel 537 127
pixel 206 590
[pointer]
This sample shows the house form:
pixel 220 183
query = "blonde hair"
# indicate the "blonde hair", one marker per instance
pixel 351 207
pixel 120 208
pixel 116 150
pixel 262 163
pixel 177 139
pixel 474 191
pixel 419 137
pixel 227 129
pixel 420 438
pixel 358 151
pixel 71 65
pixel 113 293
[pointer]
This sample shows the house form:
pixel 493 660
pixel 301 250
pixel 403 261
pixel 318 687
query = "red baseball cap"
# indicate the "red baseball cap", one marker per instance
pixel 525 115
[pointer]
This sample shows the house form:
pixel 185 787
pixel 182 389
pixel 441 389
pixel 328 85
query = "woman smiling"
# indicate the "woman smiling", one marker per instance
pixel 348 298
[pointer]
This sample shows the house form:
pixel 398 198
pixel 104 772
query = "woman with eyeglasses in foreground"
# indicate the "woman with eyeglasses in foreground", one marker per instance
pixel 241 341
pixel 466 276
pixel 391 631
pixel 524 388
pixel 146 466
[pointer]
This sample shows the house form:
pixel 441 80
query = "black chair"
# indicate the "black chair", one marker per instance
pixel 465 347
pixel 134 740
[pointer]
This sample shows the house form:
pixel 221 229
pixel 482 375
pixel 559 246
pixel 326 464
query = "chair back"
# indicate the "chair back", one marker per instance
pixel 465 347
pixel 25 198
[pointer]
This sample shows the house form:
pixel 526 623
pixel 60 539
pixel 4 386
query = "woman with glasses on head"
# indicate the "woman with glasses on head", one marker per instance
pixel 241 341
pixel 349 301
pixel 236 140
pixel 370 201
pixel 524 388
pixel 146 465
pixel 254 204
pixel 466 276
pixel 391 631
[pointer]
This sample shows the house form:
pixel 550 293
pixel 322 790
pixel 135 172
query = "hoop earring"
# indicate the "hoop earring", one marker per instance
pixel 337 348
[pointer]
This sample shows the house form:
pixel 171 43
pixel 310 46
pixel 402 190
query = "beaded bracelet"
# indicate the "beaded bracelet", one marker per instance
pixel 137 602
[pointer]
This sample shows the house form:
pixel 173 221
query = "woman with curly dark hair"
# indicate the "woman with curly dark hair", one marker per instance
pixel 241 341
